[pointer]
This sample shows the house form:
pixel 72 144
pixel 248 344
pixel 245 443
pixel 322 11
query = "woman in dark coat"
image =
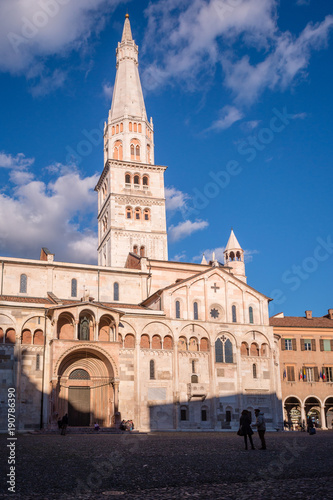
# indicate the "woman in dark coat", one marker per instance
pixel 245 428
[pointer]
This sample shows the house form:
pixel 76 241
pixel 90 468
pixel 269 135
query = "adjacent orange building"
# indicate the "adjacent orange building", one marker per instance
pixel 306 364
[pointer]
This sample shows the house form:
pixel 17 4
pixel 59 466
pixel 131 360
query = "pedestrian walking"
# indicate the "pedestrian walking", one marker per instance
pixel 64 423
pixel 261 427
pixel 245 428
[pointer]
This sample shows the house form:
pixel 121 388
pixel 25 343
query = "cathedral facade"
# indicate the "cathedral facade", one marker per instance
pixel 170 345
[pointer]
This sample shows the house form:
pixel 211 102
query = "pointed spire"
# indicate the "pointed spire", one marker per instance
pixel 127 32
pixel 233 242
pixel 204 261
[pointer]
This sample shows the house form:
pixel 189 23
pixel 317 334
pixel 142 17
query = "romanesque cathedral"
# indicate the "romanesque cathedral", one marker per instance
pixel 170 345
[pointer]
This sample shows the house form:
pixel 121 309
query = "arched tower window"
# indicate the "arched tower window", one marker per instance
pixel 135 249
pixel 74 287
pixel 152 369
pixel 146 214
pixel 128 212
pixel 117 129
pixel 148 154
pixel 130 126
pixel 135 127
pixel 118 150
pixel 138 213
pixel 139 128
pixel 115 291
pixel 251 314
pixel 23 283
pixel 135 150
pixel 145 180
pixel 142 251
pixel 177 309
pixel 127 179
pixel 136 179
pixel 234 314
pixel 254 370
pixel 195 310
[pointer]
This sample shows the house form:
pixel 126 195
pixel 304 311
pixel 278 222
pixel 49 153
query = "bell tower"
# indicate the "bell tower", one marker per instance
pixel 234 257
pixel 131 202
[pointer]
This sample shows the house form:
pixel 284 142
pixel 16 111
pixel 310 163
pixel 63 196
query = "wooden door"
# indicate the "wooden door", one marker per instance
pixel 79 406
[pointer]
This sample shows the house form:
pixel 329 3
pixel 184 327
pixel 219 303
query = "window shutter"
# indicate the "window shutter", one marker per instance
pixel 321 343
pixel 331 345
pixel 294 344
pixel 283 345
pixel 313 345
pixel 316 374
pixel 302 345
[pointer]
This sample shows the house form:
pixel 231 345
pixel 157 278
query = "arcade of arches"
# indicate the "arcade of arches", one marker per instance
pixel 298 412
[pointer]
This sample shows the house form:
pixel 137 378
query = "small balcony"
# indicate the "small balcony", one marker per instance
pixel 199 391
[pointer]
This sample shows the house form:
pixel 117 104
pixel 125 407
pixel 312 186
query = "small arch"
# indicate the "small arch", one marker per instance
pixel 135 127
pixel 79 374
pixel 204 344
pixel 10 337
pixel 254 370
pixel 142 251
pixel 152 369
pixel 38 337
pixel 130 127
pixel 118 150
pixel 264 350
pixel 146 214
pixel 193 344
pixel 65 326
pixel 156 342
pixel 129 341
pixel 139 128
pixel 26 337
pixel 167 342
pixel 136 179
pixel 127 178
pixel 144 342
pixel 121 127
pixel 135 249
pixel 254 349
pixel 138 213
pixel 112 130
pixel 232 256
pixel 117 129
pixel 116 291
pixel 145 180
pixel 74 287
pixel 244 349
pixel 129 213
pixel 132 152
pixel 137 152
pixel 182 344
pixel 23 283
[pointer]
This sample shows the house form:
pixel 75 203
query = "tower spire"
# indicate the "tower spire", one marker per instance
pixel 127 32
pixel 234 257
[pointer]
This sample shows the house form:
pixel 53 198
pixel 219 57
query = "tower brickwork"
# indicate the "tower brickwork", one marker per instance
pixel 131 202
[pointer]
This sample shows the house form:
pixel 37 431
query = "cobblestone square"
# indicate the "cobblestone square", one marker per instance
pixel 171 465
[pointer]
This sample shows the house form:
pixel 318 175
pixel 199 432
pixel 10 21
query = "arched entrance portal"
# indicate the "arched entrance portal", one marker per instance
pixel 86 389
pixel 329 412
pixel 312 409
pixel 292 411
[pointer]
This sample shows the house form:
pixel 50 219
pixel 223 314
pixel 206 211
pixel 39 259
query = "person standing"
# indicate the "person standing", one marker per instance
pixel 64 424
pixel 245 428
pixel 261 427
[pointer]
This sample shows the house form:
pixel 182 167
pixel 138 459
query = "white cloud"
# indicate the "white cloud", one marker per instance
pixel 186 228
pixel 206 33
pixel 15 162
pixel 175 199
pixel 300 116
pixel 228 116
pixel 33 31
pixel 108 91
pixel 250 125
pixel 179 256
pixel 55 215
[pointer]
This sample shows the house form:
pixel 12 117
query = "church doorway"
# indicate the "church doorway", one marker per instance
pixel 79 406
pixel 86 388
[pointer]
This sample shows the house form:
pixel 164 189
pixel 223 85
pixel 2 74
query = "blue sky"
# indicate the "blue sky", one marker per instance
pixel 241 96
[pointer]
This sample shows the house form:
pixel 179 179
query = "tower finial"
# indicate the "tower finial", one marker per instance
pixel 127 16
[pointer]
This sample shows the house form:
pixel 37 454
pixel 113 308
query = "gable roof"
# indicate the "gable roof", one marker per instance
pixel 301 322
pixel 179 283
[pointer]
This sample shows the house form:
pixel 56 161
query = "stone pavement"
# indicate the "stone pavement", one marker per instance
pixel 170 466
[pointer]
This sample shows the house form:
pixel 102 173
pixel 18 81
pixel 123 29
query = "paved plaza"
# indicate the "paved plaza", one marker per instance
pixel 171 465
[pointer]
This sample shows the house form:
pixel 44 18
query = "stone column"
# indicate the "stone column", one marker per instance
pixel 323 417
pixel 303 416
pixel 76 329
pixel 213 389
pixel 137 379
